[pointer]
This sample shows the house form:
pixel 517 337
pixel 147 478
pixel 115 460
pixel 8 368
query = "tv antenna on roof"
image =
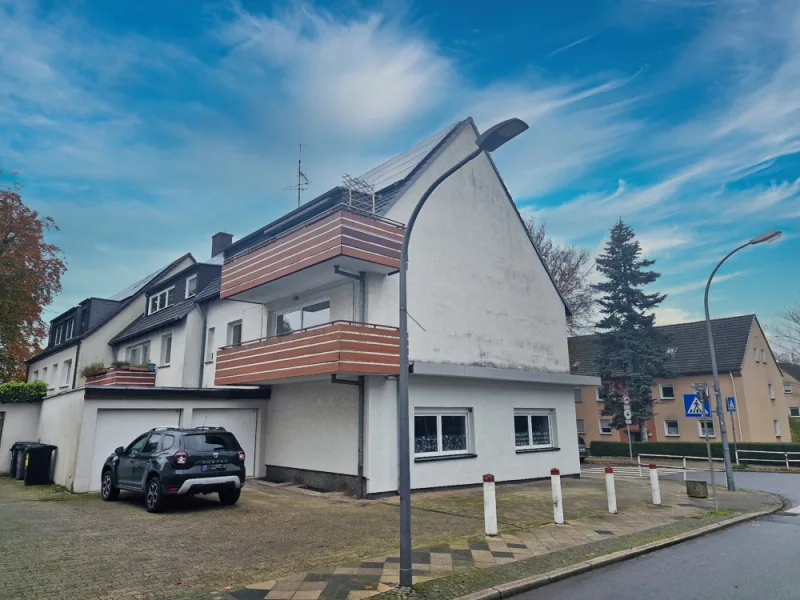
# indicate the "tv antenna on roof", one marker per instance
pixel 302 180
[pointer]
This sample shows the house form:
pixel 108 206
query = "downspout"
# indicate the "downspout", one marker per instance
pixel 362 280
pixel 738 412
pixel 202 346
pixel 77 365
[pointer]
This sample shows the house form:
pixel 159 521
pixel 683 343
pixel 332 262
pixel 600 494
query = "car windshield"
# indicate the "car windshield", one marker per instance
pixel 208 442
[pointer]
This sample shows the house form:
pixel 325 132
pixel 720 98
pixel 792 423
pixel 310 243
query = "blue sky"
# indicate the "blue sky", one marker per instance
pixel 145 127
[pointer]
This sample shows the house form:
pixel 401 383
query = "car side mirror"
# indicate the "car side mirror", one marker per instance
pixel 119 451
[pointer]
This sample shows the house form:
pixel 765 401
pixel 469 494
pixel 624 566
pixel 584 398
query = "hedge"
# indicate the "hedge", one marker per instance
pixel 684 448
pixel 18 393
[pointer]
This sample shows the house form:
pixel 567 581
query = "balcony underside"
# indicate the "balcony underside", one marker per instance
pixel 341 237
pixel 336 348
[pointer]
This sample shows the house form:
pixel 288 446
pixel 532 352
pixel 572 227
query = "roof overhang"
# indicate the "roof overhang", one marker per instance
pixel 174 393
pixel 497 374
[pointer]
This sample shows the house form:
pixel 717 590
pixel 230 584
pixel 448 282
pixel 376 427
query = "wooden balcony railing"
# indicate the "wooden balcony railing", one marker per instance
pixel 133 376
pixel 338 232
pixel 338 347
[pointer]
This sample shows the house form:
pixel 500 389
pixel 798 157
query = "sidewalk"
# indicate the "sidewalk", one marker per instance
pixel 524 539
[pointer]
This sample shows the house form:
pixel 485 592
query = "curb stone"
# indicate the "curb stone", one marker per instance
pixel 513 588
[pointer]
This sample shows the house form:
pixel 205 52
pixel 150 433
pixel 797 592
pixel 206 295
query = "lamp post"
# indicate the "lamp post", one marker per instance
pixel 769 236
pixel 488 141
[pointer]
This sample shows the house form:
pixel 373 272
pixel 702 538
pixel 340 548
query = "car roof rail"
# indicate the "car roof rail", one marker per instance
pixel 214 427
pixel 164 427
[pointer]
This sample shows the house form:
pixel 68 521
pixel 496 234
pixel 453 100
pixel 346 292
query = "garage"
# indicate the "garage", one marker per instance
pixel 239 421
pixel 119 427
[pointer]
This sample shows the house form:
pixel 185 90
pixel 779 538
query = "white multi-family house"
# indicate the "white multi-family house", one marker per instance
pixel 289 338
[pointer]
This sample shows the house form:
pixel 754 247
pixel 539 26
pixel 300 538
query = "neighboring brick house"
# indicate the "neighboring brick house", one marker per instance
pixel 791 387
pixel 747 371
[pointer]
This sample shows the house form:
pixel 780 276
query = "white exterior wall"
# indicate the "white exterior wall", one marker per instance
pixel 57 385
pixel 313 426
pixel 85 434
pixel 60 425
pixel 166 376
pixel 221 312
pixel 21 424
pixel 492 426
pixel 192 349
pixel 475 282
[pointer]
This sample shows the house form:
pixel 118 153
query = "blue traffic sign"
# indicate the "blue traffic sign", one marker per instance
pixel 731 404
pixel 694 407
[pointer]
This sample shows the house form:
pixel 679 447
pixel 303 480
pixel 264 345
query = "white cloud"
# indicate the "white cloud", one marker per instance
pixel 699 284
pixel 657 241
pixel 669 315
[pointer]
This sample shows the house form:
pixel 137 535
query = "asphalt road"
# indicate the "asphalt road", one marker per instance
pixel 757 559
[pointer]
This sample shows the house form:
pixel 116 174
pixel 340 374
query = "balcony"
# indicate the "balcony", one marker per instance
pixel 341 347
pixel 304 257
pixel 129 376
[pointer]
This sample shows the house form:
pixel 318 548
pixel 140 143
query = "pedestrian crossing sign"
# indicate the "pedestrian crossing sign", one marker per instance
pixel 694 407
pixel 731 404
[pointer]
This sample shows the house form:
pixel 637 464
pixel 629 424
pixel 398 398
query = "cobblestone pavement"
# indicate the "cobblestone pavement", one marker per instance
pixel 286 545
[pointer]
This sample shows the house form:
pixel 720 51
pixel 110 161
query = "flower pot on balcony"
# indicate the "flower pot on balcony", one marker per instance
pixel 141 368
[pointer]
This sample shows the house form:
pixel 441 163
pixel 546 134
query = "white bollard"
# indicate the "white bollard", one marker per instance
pixel 489 505
pixel 611 491
pixel 558 500
pixel 655 485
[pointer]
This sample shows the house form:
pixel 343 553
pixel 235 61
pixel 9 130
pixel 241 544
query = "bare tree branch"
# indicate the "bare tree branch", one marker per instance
pixel 787 335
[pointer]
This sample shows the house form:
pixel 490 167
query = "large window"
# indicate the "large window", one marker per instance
pixel 667 391
pixel 441 432
pixel 605 426
pixel 235 333
pixel 191 286
pixel 166 349
pixel 706 428
pixel 139 354
pixel 533 429
pixel 671 428
pixel 310 315
pixel 162 300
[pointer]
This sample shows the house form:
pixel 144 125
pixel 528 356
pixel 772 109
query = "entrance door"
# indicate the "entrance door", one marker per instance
pixel 242 422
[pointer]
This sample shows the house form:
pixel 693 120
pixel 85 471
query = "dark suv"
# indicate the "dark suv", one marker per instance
pixel 172 461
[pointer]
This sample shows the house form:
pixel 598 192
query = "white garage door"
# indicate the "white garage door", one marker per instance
pixel 239 421
pixel 119 427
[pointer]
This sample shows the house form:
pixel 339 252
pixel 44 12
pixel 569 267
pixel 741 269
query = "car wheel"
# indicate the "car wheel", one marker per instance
pixel 153 498
pixel 107 490
pixel 229 497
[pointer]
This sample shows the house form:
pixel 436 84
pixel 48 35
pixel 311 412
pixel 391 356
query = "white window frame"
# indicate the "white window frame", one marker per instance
pixel 210 350
pixel 577 393
pixel 771 391
pixel 54 376
pixel 66 370
pixel 44 374
pixel 69 329
pixel 701 429
pixel 763 356
pixel 188 281
pixel 661 391
pixel 797 411
pixel 580 424
pixel 156 299
pixel 166 357
pixel 229 337
pixel 666 428
pixel 57 336
pixel 776 425
pixel 445 412
pixel 755 351
pixel 299 307
pixel 537 412
pixel 141 348
pixel 787 387
pixel 610 426
pixel 597 395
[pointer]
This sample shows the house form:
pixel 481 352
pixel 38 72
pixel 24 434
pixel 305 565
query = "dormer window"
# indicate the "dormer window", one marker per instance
pixel 191 286
pixel 161 300
pixel 69 327
pixel 58 335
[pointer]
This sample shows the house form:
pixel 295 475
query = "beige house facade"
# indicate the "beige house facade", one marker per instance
pixel 748 373
pixel 791 388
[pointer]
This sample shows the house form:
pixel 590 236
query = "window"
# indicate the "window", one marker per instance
pixel 67 369
pixel 581 426
pixel 166 349
pixel 54 376
pixel 706 428
pixel 755 352
pixel 137 445
pixel 787 388
pixel 671 428
pixel 533 429
pixel 191 286
pixel 152 443
pixel 578 395
pixel 777 426
pixel 667 391
pixel 69 326
pixel 307 316
pixel 139 354
pixel 208 442
pixel 763 356
pixel 605 426
pixel 35 376
pixel 771 391
pixel 169 442
pixel 441 433
pixel 235 333
pixel 162 300
pixel 57 336
pixel 794 411
pixel 210 345
pixel 597 395
pixel 44 374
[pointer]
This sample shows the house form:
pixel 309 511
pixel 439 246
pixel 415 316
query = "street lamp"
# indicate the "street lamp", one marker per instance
pixel 769 236
pixel 489 141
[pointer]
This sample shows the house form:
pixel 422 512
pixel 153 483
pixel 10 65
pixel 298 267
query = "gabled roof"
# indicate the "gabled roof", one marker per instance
pixel 791 369
pixel 209 292
pixel 690 341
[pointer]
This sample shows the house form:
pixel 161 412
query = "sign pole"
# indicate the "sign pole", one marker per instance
pixel 626 403
pixel 732 405
pixel 710 466
pixel 630 446
pixel 697 406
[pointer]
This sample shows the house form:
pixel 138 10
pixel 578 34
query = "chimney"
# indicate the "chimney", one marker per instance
pixel 220 241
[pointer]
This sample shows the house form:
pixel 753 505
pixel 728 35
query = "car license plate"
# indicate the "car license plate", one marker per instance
pixel 213 467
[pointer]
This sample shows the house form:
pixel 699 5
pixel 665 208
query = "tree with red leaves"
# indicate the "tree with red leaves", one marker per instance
pixel 30 277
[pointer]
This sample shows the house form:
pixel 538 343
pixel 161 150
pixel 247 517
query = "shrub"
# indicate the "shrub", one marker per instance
pixel 120 363
pixel 794 427
pixel 687 449
pixel 92 369
pixel 16 392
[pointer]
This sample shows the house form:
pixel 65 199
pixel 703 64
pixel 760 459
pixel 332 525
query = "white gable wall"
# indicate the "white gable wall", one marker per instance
pixel 475 282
